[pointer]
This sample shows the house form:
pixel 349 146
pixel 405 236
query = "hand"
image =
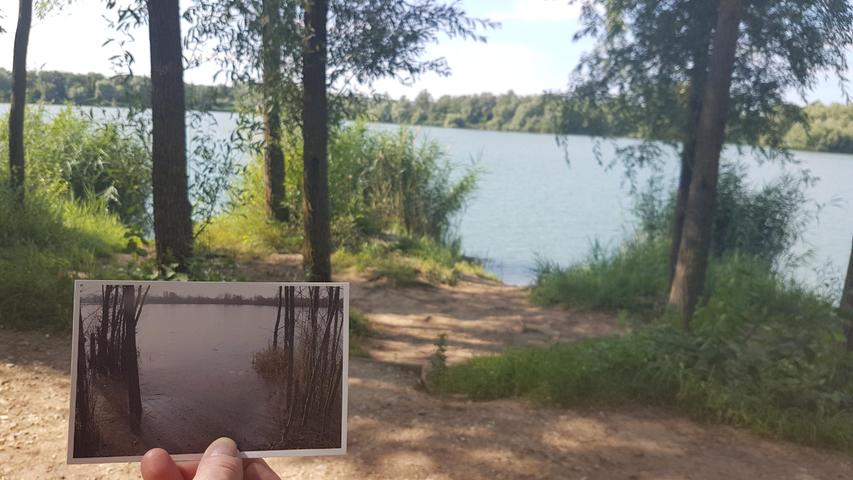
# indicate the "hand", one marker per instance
pixel 221 461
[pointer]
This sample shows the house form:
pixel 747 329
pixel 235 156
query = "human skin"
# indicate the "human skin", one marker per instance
pixel 221 461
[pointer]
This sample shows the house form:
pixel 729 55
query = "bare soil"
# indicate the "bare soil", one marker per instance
pixel 398 431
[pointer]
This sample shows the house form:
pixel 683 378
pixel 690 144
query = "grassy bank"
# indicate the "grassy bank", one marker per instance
pixel 764 352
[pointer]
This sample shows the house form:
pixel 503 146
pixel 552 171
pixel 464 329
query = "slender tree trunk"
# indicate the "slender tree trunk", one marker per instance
pixel 273 154
pixel 277 322
pixel 698 78
pixel 130 362
pixel 172 212
pixel 19 98
pixel 847 303
pixel 689 279
pixel 315 181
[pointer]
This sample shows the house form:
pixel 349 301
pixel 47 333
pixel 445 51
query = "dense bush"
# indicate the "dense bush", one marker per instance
pixel 378 183
pixel 71 152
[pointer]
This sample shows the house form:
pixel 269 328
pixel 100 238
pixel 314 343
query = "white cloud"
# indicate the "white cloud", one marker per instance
pixel 538 11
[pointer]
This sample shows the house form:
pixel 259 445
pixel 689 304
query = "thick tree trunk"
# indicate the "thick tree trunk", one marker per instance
pixel 847 303
pixel 19 98
pixel 698 78
pixel 130 363
pixel 172 213
pixel 689 279
pixel 315 181
pixel 273 154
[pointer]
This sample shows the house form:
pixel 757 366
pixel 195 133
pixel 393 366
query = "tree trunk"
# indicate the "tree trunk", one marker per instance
pixel 689 279
pixel 847 304
pixel 277 322
pixel 19 99
pixel 698 78
pixel 130 363
pixel 273 154
pixel 172 213
pixel 315 182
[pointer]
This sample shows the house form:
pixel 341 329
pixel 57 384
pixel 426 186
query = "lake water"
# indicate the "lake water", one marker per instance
pixel 530 202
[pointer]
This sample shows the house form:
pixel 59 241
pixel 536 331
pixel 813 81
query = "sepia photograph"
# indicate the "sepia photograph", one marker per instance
pixel 178 364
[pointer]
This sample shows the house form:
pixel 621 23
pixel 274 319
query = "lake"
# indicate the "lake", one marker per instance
pixel 532 203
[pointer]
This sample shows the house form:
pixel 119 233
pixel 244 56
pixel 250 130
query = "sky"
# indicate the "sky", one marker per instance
pixel 531 52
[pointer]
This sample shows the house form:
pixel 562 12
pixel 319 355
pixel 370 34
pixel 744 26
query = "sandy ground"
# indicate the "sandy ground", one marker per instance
pixel 397 431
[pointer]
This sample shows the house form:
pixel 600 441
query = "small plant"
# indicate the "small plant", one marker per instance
pixel 438 360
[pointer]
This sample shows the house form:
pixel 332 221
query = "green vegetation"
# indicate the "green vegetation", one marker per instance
pixel 360 331
pixel 70 153
pixel 59 88
pixel 764 352
pixel 44 245
pixel 393 199
pixel 829 129
pixel 760 224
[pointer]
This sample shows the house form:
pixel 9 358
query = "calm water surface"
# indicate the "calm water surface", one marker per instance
pixel 531 202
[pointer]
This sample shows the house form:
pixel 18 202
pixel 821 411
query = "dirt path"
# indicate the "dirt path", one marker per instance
pixel 397 431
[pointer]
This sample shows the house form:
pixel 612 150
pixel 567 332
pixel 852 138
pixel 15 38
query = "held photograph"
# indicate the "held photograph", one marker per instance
pixel 178 364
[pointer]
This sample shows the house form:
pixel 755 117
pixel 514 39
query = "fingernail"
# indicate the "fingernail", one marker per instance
pixel 223 446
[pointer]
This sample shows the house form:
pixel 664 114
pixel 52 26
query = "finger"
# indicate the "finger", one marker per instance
pixel 257 469
pixel 188 469
pixel 221 461
pixel 158 465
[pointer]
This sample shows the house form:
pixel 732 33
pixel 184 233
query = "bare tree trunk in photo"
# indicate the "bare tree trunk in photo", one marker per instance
pixel 847 303
pixel 103 331
pixel 19 99
pixel 173 230
pixel 130 361
pixel 316 249
pixel 277 322
pixel 698 78
pixel 689 279
pixel 290 344
pixel 273 155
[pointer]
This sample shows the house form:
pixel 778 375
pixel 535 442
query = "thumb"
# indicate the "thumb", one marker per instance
pixel 221 461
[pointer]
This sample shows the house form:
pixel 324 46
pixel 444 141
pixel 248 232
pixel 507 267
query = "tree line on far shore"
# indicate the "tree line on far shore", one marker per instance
pixel 816 126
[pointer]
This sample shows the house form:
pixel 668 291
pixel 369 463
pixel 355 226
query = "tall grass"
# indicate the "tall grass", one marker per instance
pixel 44 245
pixel 90 160
pixel 393 202
pixel 765 354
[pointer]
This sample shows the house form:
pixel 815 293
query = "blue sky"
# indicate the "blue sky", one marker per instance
pixel 531 52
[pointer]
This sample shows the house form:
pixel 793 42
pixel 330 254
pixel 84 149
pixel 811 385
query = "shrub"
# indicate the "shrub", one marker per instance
pixel 759 225
pixel 765 354
pixel 73 153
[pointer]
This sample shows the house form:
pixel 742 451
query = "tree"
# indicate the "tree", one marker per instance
pixel 847 303
pixel 689 279
pixel 19 98
pixel 650 66
pixel 172 212
pixel 316 249
pixel 271 31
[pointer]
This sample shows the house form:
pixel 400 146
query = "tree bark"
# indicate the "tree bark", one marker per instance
pixel 19 99
pixel 689 278
pixel 698 78
pixel 315 181
pixel 172 212
pixel 131 367
pixel 847 304
pixel 273 154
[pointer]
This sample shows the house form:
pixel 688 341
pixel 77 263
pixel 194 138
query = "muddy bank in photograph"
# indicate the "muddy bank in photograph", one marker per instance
pixel 177 365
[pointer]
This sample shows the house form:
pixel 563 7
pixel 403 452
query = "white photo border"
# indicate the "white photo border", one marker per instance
pixel 342 450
